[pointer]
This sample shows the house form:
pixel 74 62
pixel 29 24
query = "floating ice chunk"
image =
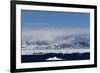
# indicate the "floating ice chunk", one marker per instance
pixel 54 58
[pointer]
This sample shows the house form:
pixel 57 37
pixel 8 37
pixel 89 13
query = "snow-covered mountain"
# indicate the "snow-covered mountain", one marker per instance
pixel 62 44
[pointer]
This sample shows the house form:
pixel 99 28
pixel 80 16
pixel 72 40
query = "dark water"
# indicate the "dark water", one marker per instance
pixel 64 57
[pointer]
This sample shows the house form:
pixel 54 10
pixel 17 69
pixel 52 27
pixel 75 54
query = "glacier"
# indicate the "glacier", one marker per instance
pixel 65 45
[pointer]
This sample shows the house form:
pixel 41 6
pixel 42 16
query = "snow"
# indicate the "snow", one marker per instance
pixel 63 51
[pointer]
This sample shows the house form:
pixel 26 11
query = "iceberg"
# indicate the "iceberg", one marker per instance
pixel 54 58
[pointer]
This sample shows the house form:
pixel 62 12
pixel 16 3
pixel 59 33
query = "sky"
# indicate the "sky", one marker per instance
pixel 36 19
pixel 48 25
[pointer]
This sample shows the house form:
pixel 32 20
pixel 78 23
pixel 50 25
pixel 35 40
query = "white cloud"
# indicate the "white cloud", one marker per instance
pixel 51 33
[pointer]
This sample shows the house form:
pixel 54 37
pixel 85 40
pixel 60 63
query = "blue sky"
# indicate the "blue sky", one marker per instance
pixel 33 18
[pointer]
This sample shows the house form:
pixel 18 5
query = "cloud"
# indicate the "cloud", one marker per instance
pixel 51 33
